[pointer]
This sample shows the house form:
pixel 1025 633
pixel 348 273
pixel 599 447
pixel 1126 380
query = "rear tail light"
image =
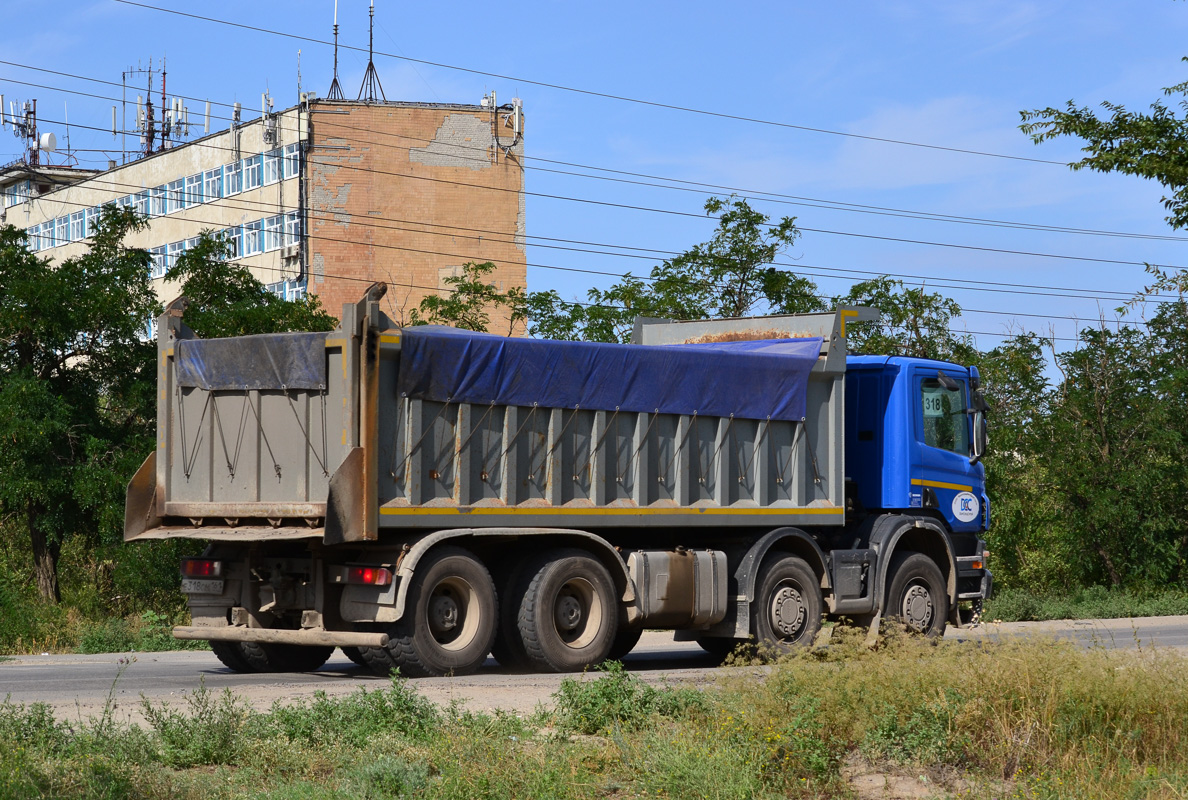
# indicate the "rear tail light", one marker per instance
pixel 369 576
pixel 201 568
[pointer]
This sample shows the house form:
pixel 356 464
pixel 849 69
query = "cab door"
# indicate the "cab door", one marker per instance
pixel 942 475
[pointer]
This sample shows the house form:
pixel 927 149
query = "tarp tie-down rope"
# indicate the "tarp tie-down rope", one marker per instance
pixel 412 450
pixel 635 456
pixel 556 444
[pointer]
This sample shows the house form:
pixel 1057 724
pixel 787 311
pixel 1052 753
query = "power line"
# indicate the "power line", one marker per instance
pixel 799 268
pixel 604 95
pixel 688 185
pixel 565 269
pixel 688 214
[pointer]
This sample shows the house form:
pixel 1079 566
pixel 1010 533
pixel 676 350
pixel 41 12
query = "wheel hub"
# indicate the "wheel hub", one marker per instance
pixel 443 613
pixel 568 613
pixel 917 607
pixel 787 612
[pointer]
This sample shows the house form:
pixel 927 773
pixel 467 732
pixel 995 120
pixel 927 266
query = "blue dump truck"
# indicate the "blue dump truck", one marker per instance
pixel 426 497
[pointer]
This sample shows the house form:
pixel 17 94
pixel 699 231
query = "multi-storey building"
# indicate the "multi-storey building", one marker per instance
pixel 322 198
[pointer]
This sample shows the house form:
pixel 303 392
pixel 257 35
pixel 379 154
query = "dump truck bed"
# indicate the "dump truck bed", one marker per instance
pixel 370 430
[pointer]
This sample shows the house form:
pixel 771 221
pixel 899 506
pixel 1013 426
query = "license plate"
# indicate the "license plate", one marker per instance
pixel 195 586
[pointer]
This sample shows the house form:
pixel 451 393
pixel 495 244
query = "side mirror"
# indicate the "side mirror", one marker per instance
pixel 979 436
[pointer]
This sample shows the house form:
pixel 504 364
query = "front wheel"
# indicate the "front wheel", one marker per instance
pixel 786 613
pixel 917 596
pixel 449 622
pixel 569 613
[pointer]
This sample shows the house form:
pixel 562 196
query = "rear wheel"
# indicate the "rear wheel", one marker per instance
pixel 718 646
pixel 354 654
pixel 232 656
pixel 508 649
pixel 569 614
pixel 449 622
pixel 786 613
pixel 625 641
pixel 918 596
pixel 284 657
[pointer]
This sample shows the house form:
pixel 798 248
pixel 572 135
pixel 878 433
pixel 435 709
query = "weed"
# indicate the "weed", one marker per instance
pixel 209 732
pixel 619 699
pixel 386 777
pixel 1094 602
pixel 356 718
pixel 926 736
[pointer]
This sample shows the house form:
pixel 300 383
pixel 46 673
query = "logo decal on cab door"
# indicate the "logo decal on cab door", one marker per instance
pixel 965 507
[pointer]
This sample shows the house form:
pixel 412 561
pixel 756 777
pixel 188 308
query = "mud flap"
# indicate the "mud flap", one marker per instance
pixel 346 513
pixel 140 502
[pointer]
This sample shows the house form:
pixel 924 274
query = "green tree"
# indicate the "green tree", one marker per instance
pixel 225 299
pixel 914 322
pixel 731 275
pixel 1151 145
pixel 76 385
pixel 1116 457
pixel 470 301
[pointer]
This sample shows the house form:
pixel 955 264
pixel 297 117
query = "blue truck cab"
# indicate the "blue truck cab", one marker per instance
pixel 914 436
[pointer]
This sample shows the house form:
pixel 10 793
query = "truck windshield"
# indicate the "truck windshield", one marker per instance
pixel 944 417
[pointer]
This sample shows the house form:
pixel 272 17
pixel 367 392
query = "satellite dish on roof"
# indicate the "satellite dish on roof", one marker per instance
pixel 48 142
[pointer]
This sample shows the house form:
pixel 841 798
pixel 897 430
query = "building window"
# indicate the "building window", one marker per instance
pixel 251 238
pixel 272 228
pixel 61 231
pixel 232 179
pixel 175 196
pixel 212 184
pixel 90 220
pixel 157 270
pixel 172 251
pixel 272 166
pixel 17 193
pixel 292 159
pixel 193 194
pixel 292 228
pixel 158 204
pixel 251 173
pixel 235 237
pixel 287 290
pixel 78 226
pixel 140 201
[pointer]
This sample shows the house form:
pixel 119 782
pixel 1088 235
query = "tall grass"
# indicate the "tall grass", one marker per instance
pixel 1022 720
pixel 1093 602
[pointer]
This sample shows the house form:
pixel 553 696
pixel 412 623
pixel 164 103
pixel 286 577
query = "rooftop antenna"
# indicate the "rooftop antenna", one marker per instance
pixel 24 126
pixel 335 92
pixel 371 81
pixel 165 126
pixel 66 121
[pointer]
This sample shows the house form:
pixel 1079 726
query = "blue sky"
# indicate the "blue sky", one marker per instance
pixel 943 73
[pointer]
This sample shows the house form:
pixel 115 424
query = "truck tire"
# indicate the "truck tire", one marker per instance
pixel 354 654
pixel 718 646
pixel 917 597
pixel 569 613
pixel 449 622
pixel 625 641
pixel 284 657
pixel 508 649
pixel 786 613
pixel 232 656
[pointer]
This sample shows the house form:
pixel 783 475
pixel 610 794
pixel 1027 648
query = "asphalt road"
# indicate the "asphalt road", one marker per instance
pixel 78 687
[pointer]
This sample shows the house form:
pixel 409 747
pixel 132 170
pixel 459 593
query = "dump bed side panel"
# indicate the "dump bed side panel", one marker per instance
pixel 450 463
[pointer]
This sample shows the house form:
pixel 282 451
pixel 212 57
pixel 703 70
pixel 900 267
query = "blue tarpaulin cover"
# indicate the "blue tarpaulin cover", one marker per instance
pixel 752 380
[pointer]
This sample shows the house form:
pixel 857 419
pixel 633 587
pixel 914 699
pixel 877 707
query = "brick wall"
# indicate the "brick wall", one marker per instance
pixel 407 194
